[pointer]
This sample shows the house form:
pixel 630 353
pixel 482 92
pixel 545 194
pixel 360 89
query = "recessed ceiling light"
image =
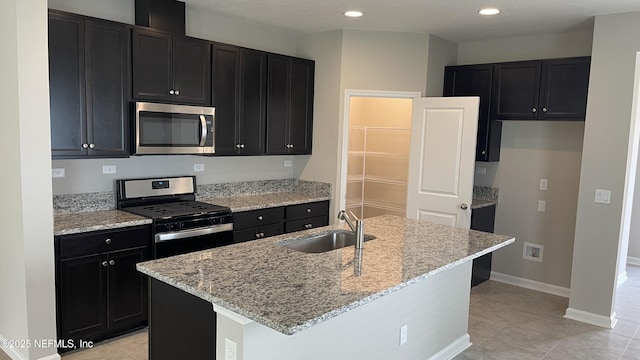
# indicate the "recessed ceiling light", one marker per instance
pixel 489 11
pixel 353 13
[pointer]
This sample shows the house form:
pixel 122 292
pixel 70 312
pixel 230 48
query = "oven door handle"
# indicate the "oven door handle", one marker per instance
pixel 203 128
pixel 174 235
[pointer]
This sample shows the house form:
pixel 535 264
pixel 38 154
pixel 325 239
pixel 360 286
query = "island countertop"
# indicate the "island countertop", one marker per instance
pixel 290 291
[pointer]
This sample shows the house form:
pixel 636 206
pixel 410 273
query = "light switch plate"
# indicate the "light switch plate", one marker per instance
pixel 57 173
pixel 603 196
pixel 108 169
pixel 543 184
pixel 542 205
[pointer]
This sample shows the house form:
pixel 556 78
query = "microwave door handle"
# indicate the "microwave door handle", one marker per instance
pixel 203 129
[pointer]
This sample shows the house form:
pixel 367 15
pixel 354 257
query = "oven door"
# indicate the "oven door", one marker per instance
pixel 185 241
pixel 174 129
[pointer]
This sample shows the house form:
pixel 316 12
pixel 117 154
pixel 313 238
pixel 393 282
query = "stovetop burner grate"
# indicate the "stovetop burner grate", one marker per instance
pixel 182 208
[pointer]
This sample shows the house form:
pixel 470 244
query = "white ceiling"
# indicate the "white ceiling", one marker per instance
pixel 455 20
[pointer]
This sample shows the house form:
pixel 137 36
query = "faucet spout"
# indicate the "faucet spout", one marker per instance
pixel 356 225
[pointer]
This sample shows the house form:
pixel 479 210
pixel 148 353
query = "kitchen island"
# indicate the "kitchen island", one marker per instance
pixel 271 302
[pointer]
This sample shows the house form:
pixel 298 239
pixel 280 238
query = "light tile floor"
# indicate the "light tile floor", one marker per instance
pixel 508 322
pixel 505 322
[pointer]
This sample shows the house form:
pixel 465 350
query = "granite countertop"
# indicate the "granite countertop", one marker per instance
pixel 65 224
pixel 290 291
pixel 253 202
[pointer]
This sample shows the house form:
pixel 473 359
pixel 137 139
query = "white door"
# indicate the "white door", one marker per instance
pixel 442 160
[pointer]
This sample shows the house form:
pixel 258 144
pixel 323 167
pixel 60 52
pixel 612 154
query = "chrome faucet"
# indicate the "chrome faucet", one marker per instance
pixel 356 225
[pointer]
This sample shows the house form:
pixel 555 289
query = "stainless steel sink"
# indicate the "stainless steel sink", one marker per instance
pixel 324 242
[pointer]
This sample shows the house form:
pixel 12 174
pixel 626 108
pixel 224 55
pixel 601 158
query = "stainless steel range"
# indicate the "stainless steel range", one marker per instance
pixel 180 223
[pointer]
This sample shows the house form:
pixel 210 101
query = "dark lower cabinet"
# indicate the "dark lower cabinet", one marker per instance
pixel 181 326
pixel 99 292
pixel 258 224
pixel 88 86
pixel 482 219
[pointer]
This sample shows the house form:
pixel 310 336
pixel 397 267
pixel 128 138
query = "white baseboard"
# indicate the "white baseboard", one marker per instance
pixel 622 278
pixel 530 284
pixel 454 349
pixel 633 260
pixel 14 354
pixel 591 318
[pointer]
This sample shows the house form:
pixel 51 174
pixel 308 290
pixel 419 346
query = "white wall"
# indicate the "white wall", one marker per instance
pixel 86 175
pixel 27 300
pixel 361 60
pixel 604 161
pixel 441 53
pixel 531 151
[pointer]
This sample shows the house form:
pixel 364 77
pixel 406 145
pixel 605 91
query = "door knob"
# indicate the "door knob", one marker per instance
pixel 464 206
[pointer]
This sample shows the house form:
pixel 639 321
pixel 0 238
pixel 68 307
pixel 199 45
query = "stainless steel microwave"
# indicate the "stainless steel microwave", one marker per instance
pixel 173 129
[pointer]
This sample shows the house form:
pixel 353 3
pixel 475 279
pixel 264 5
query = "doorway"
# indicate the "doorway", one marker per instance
pixel 376 160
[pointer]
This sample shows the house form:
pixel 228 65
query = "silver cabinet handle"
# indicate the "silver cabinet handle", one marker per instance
pixel 257 235
pixel 544 109
pixel 464 206
pixel 177 92
pixel 203 129
pixel 308 226
pixel 260 218
pixel 241 146
pixel 292 146
pixel 484 152
pixel 237 146
pixel 261 234
pixel 171 92
pixel 108 241
pixel 534 110
pixel 111 262
pixel 288 146
pixel 85 146
pixel 104 263
pixel 308 210
pixel 91 146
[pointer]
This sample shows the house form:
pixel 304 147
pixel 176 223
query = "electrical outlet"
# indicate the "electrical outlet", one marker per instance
pixel 288 163
pixel 229 350
pixel 403 335
pixel 198 167
pixel 543 184
pixel 603 196
pixel 108 169
pixel 481 170
pixel 532 252
pixel 542 205
pixel 57 173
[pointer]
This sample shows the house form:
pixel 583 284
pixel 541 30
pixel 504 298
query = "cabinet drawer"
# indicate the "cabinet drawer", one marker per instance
pixel 254 218
pixel 303 211
pixel 103 241
pixel 258 232
pixel 306 224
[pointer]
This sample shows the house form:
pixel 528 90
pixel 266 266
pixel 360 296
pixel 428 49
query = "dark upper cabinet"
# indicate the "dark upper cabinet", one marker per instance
pixel 543 89
pixel 170 68
pixel 88 86
pixel 239 96
pixel 476 80
pixel 289 105
pixel 565 84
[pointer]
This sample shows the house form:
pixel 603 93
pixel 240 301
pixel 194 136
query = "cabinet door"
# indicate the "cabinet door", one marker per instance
pixel 301 108
pixel 127 288
pixel 67 85
pixel 278 99
pixel 191 66
pixel 107 84
pixel 476 80
pixel 152 65
pixel 516 90
pixel 82 297
pixel 252 101
pixel 564 88
pixel 225 97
